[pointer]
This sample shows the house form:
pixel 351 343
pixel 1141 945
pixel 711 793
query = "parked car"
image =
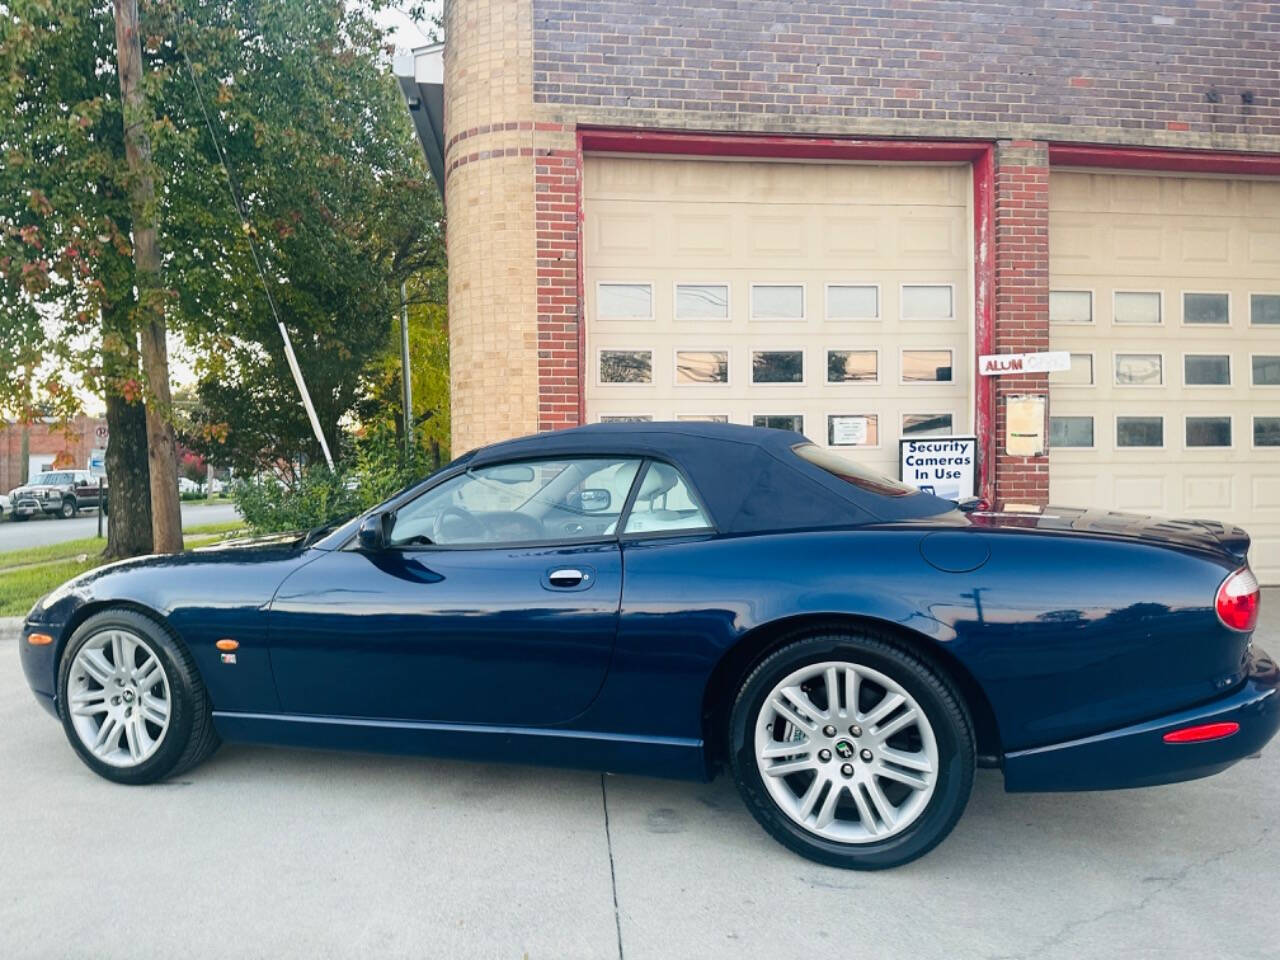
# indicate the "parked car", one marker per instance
pixel 4 505
pixel 63 493
pixel 188 486
pixel 674 599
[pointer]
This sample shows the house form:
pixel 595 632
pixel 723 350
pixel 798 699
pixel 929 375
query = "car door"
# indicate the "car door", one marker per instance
pixel 496 602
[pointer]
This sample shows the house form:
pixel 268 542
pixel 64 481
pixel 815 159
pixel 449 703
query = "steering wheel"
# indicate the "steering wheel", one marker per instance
pixel 513 525
pixel 473 527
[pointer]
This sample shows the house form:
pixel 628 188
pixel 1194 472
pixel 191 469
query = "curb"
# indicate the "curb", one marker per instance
pixel 10 623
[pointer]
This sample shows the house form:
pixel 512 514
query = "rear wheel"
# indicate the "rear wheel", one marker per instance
pixel 852 751
pixel 132 704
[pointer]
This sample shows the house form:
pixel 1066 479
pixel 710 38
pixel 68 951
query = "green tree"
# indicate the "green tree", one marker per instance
pixel 338 200
pixel 66 273
pixel 334 190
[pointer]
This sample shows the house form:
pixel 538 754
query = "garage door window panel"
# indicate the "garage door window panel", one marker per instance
pixel 626 418
pixel 702 367
pixel 626 367
pixel 853 366
pixel 928 301
pixel 702 301
pixel 1137 308
pixel 1071 432
pixel 1206 309
pixel 915 425
pixel 1266 370
pixel 1208 431
pixel 926 366
pixel 777 301
pixel 704 417
pixel 1139 370
pixel 1071 306
pixel 774 367
pixel 1264 309
pixel 1266 431
pixel 847 301
pixel 624 301
pixel 853 430
pixel 1146 432
pixel 1206 369
pixel 779 421
pixel 1079 374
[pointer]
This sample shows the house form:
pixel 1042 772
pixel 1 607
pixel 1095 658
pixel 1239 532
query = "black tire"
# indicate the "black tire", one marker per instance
pixel 932 690
pixel 191 737
pixel 68 508
pixel 20 517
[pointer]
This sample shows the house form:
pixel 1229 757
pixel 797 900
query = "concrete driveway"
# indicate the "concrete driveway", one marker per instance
pixel 42 531
pixel 283 853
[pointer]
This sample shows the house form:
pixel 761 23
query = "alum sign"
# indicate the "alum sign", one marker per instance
pixel 994 364
pixel 943 466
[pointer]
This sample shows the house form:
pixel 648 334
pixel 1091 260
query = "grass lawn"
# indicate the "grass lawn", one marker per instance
pixel 93 546
pixel 28 574
pixel 20 588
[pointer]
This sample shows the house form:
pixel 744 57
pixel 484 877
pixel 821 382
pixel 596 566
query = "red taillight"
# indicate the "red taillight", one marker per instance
pixel 1237 600
pixel 1206 731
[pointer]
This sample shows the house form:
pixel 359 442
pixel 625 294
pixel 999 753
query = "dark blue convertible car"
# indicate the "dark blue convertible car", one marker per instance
pixel 672 599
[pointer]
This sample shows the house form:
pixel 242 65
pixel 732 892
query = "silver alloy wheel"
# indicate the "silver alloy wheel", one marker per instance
pixel 846 752
pixel 118 695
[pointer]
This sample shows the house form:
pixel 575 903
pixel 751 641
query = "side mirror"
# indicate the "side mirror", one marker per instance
pixel 594 500
pixel 375 532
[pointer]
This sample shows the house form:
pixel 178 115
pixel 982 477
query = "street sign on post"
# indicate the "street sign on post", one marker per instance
pixel 98 462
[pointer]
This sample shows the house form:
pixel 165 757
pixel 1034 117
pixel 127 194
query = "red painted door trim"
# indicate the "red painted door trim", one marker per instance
pixel 1175 161
pixel 984 295
pixel 979 153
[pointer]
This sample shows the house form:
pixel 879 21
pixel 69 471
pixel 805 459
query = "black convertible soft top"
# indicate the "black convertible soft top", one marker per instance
pixel 749 478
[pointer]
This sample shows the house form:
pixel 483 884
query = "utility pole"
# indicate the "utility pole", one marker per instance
pixel 405 377
pixel 162 458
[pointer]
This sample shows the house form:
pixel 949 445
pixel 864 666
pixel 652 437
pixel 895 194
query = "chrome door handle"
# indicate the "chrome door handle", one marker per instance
pixel 568 577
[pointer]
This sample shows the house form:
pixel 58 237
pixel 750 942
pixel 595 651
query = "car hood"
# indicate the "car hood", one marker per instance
pixel 1223 539
pixel 33 489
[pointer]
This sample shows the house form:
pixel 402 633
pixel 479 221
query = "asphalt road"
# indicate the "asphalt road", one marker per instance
pixel 41 531
pixel 284 853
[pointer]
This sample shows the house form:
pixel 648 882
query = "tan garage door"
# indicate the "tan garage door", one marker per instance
pixel 1166 290
pixel 829 298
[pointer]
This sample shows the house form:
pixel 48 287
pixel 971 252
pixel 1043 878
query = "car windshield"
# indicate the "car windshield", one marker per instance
pixel 851 472
pixel 46 478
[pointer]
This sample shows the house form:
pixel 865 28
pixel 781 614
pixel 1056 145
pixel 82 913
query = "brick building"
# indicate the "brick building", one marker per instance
pixel 51 444
pixel 819 214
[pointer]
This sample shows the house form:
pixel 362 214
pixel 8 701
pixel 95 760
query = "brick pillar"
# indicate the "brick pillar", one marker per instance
pixel 1021 302
pixel 489 167
pixel 558 179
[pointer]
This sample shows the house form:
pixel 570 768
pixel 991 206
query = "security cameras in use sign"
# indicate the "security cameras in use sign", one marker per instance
pixel 943 466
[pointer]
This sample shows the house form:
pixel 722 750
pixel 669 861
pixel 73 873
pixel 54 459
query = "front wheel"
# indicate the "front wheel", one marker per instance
pixel 132 703
pixel 852 751
pixel 68 509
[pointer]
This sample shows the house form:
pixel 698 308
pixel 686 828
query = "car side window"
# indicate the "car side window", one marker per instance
pixel 664 502
pixel 531 501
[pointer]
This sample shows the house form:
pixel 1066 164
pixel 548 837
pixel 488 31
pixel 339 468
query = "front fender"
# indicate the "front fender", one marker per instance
pixel 201 597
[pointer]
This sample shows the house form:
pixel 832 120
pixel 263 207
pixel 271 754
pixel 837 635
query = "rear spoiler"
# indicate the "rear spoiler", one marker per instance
pixel 1233 539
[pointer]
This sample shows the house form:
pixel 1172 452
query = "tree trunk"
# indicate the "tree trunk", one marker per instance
pixel 129 494
pixel 162 457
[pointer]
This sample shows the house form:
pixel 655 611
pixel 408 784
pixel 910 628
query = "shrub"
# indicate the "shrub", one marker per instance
pixel 376 469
